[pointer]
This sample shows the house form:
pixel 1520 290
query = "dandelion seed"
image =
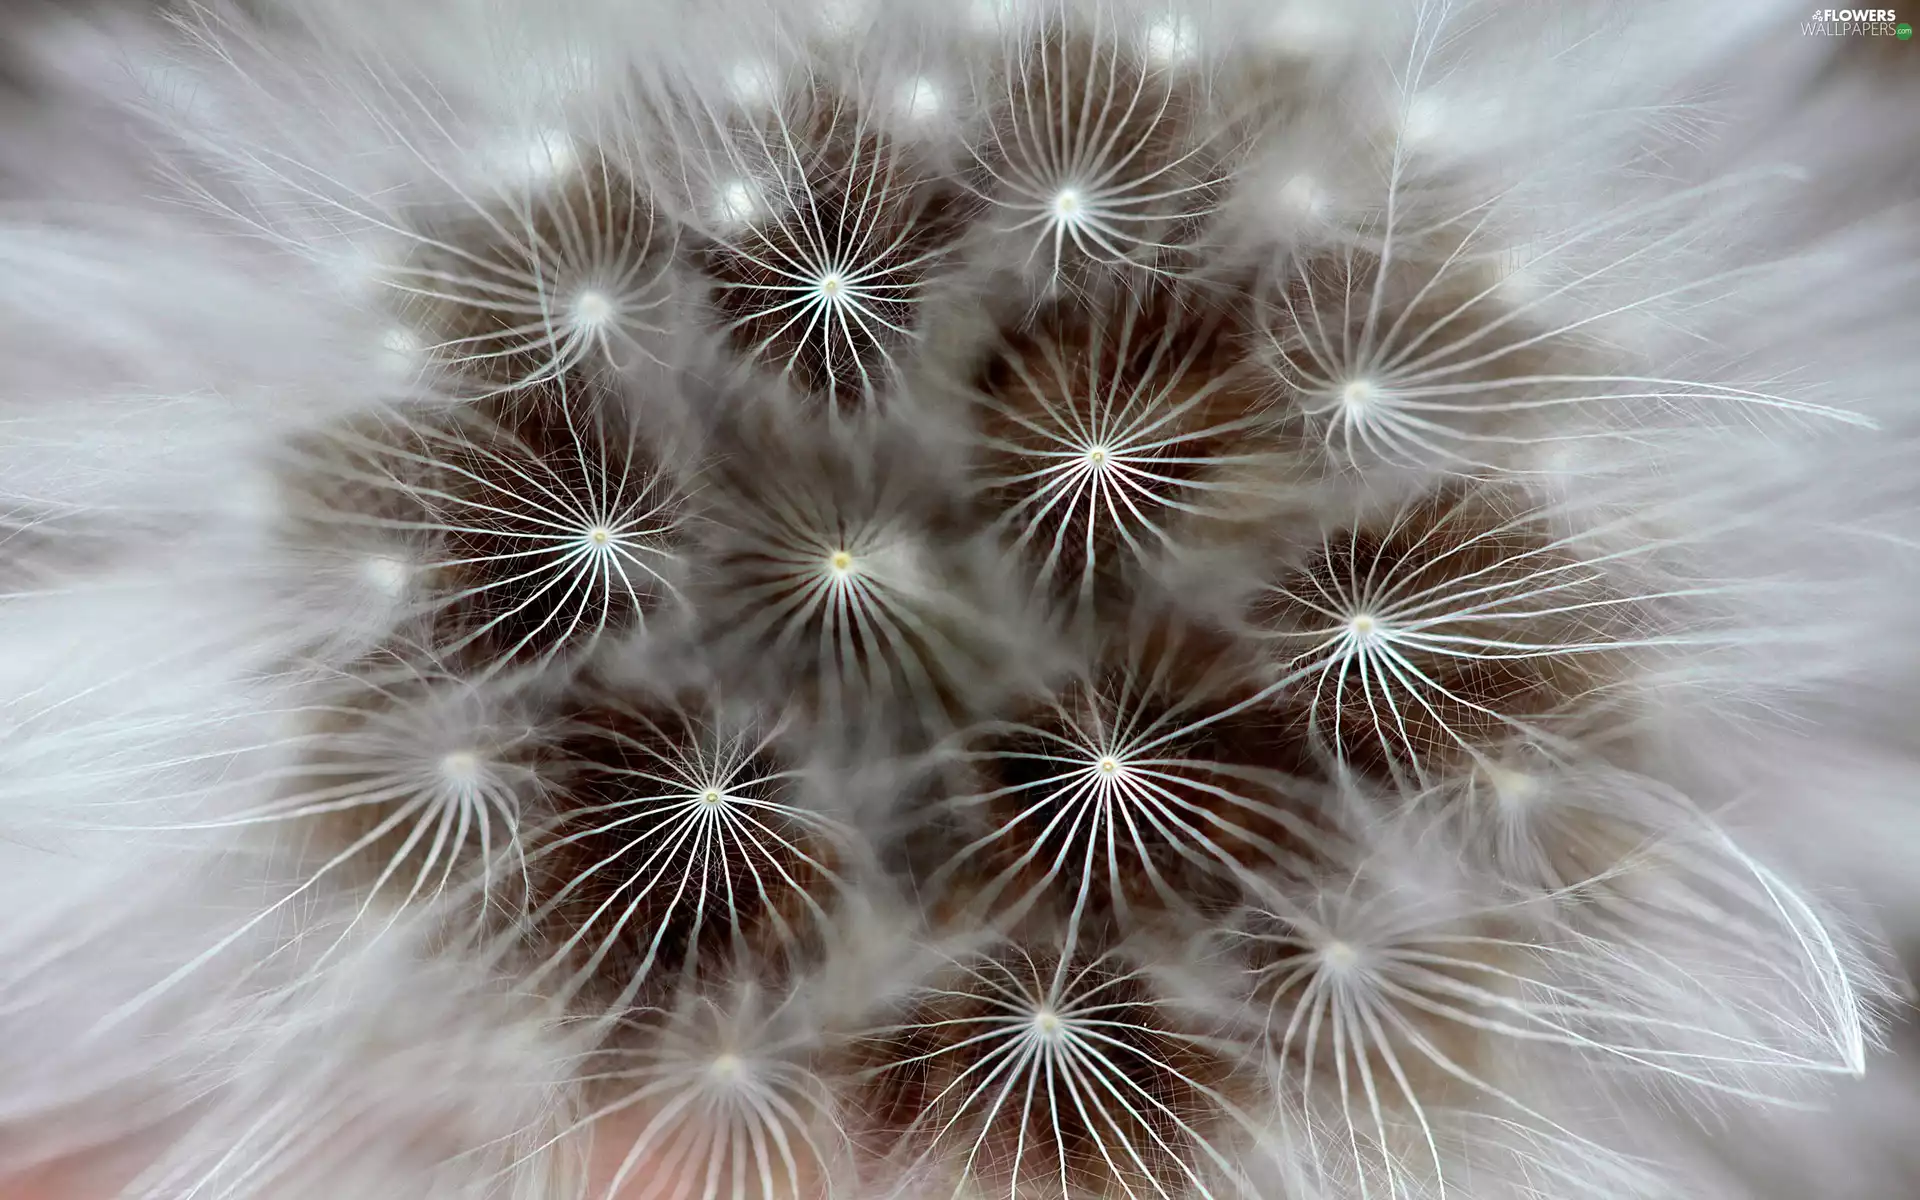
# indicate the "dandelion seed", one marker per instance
pixel 1384 998
pixel 845 18
pixel 1148 787
pixel 405 353
pixel 1096 158
pixel 752 83
pixel 1308 29
pixel 410 789
pixel 1412 364
pixel 723 1091
pixel 1170 40
pixel 684 844
pixel 1304 198
pixel 995 16
pixel 1021 1071
pixel 531 545
pixel 1456 626
pixel 519 293
pixel 533 160
pixel 920 99
pixel 1107 439
pixel 739 204
pixel 387 574
pixel 824 582
pixel 826 284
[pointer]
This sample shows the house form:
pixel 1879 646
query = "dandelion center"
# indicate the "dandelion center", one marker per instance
pixel 599 535
pixel 1358 395
pixel 832 285
pixel 726 1066
pixel 592 309
pixel 1108 766
pixel 712 798
pixel 1067 205
pixel 1340 956
pixel 1047 1023
pixel 461 767
pixel 1097 456
pixel 1363 627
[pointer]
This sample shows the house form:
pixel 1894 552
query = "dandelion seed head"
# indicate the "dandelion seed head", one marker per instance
pixel 1284 596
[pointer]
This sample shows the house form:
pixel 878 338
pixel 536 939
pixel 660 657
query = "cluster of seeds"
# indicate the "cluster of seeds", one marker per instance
pixel 834 494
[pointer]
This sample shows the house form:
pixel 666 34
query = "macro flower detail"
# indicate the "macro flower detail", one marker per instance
pixel 1027 599
pixel 683 845
pixel 1023 1072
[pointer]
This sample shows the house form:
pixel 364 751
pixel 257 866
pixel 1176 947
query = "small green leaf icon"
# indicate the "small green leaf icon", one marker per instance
pixel 1903 31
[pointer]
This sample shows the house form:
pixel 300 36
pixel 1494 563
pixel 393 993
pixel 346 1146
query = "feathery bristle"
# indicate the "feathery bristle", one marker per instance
pixel 1057 599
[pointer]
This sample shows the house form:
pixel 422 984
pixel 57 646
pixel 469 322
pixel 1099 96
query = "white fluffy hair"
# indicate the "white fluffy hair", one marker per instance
pixel 801 598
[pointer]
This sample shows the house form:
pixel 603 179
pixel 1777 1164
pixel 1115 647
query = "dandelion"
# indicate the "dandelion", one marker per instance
pixel 684 842
pixel 1460 623
pixel 1119 438
pixel 1444 356
pixel 1097 159
pixel 1151 785
pixel 1021 1070
pixel 525 543
pixel 823 273
pixel 1387 993
pixel 856 599
pixel 826 576
pixel 573 278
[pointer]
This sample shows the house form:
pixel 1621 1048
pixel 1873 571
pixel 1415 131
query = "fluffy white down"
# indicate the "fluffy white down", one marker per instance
pixel 1700 221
